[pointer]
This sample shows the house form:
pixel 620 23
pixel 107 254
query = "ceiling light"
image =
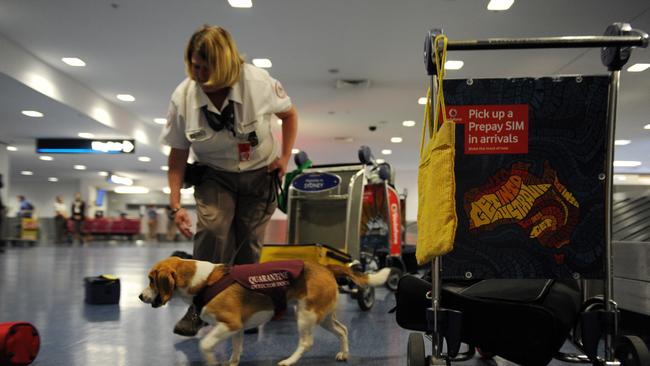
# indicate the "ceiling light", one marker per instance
pixel 380 161
pixel 241 3
pixel 280 122
pixel 160 121
pixel 500 5
pixel 638 67
pixel 167 190
pixel 86 135
pixel 164 168
pixel 295 151
pixel 386 152
pixel 144 159
pixel 622 142
pixel 120 180
pixel 264 63
pixel 454 65
pixel 103 174
pixel 422 101
pixel 166 150
pixel 73 61
pixel 46 158
pixel 619 177
pixel 126 97
pixel 80 167
pixel 131 190
pixel 35 114
pixel 12 148
pixel 626 163
pixel 408 123
pixel 52 179
pixel 396 140
pixel 647 127
pixel 26 172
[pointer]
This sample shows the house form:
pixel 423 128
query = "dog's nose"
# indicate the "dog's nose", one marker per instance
pixel 141 298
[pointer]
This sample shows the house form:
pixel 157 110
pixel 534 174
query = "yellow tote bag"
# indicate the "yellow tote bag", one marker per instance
pixel 437 218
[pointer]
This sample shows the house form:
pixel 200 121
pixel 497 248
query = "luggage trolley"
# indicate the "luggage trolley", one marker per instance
pixel 324 221
pixel 616 46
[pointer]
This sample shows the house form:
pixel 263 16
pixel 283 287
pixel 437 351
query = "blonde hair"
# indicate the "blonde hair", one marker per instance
pixel 219 50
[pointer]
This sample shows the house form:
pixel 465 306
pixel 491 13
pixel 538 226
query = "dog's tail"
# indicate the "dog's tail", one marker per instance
pixel 360 279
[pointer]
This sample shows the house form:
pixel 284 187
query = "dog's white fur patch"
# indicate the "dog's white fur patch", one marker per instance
pixel 258 319
pixel 379 278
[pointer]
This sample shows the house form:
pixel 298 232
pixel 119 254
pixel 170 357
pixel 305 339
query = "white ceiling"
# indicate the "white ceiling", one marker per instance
pixel 136 47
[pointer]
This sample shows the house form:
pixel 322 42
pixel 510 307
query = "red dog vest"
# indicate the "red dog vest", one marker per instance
pixel 270 279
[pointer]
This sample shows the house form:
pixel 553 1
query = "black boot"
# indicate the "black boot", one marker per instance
pixel 190 324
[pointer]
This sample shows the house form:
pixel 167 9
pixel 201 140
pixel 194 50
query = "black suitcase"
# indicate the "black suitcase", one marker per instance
pixel 102 290
pixel 523 321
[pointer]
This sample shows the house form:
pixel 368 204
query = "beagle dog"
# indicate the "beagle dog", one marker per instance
pixel 237 308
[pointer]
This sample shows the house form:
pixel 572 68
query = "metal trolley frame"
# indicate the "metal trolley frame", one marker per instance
pixel 616 47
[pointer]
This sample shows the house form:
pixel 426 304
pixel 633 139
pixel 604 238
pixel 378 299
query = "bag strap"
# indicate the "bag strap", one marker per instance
pixel 440 110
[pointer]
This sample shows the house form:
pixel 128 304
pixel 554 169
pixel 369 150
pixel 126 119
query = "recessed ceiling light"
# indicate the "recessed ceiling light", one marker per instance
pixel 422 101
pixel 500 5
pixel 408 123
pixel 622 142
pixel 80 167
pixel 131 190
pixel 35 114
pixel 74 61
pixel 12 148
pixel 144 159
pixel 160 121
pixel 380 161
pixel 46 158
pixel 27 172
pixel 264 63
pixel 164 168
pixel 647 127
pixel 53 179
pixel 241 3
pixel 638 67
pixel 167 190
pixel 454 65
pixel 295 151
pixel 125 97
pixel 396 140
pixel 280 122
pixel 120 180
pixel 386 152
pixel 626 163
pixel 86 135
pixel 620 177
pixel 103 174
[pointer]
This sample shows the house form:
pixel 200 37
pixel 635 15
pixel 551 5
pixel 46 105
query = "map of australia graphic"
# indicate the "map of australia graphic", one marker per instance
pixel 542 206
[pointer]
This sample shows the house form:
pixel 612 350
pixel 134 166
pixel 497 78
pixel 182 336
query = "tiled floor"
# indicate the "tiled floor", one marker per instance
pixel 44 285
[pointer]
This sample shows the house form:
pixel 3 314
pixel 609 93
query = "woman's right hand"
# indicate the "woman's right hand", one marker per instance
pixel 184 223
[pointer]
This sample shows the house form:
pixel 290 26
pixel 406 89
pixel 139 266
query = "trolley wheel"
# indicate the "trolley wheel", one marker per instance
pixel 592 304
pixel 632 351
pixel 486 355
pixel 393 278
pixel 366 297
pixel 415 355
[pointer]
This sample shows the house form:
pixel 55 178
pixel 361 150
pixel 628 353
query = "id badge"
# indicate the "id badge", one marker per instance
pixel 244 149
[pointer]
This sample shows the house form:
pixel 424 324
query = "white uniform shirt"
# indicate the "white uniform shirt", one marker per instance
pixel 257 97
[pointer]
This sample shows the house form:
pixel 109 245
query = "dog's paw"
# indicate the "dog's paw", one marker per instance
pixel 342 356
pixel 286 362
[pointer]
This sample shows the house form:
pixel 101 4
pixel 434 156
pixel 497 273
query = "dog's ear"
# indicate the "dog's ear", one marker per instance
pixel 165 283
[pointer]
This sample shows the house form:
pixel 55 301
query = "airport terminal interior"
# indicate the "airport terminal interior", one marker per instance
pixel 506 212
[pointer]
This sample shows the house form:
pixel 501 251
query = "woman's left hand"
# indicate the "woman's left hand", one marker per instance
pixel 279 165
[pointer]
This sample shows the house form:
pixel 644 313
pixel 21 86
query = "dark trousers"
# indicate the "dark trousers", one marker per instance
pixel 60 229
pixel 233 210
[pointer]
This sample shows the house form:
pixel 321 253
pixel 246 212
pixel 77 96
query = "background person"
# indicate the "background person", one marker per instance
pixel 223 112
pixel 78 215
pixel 152 222
pixel 60 220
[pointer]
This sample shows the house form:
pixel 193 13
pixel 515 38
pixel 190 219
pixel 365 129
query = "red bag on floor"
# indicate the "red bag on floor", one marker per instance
pixel 19 343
